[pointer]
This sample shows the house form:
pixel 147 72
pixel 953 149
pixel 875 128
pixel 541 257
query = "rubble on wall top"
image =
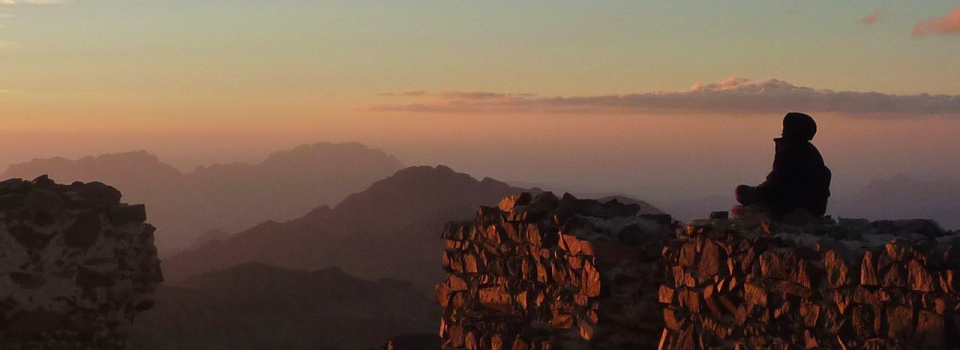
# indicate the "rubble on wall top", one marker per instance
pixel 857 235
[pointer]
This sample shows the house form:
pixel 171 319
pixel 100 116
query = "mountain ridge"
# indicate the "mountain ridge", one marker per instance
pixel 228 197
pixel 394 219
pixel 387 230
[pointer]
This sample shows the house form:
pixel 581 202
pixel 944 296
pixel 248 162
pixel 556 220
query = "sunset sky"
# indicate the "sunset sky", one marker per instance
pixel 643 96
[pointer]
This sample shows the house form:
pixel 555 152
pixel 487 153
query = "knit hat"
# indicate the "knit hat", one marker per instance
pixel 799 126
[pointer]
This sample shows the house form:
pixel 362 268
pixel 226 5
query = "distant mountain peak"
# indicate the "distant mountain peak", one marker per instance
pixel 125 170
pixel 387 230
pixel 331 271
pixel 425 170
pixel 249 267
pixel 423 184
pixel 320 149
pixel 185 206
pixel 440 175
pixel 139 158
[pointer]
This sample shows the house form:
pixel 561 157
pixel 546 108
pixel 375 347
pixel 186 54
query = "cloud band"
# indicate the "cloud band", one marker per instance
pixel 734 95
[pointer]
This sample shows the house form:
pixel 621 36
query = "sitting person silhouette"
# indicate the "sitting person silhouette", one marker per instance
pixel 799 181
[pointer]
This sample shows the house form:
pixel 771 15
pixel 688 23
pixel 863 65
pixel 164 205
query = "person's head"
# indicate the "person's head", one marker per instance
pixel 798 127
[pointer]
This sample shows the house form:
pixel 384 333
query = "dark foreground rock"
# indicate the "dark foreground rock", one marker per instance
pixel 76 265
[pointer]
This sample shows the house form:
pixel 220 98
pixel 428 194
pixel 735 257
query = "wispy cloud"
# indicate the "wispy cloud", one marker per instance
pixel 34 2
pixel 452 94
pixel 733 95
pixel 405 93
pixel 872 18
pixel 7 44
pixel 949 24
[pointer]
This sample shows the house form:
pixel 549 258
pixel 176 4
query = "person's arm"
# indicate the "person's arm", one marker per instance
pixel 782 170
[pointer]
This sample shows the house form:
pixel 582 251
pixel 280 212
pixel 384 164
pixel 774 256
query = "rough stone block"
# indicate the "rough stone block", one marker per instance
pixel 64 283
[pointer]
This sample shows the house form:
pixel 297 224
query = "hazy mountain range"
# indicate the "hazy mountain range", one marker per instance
pixel 389 230
pixel 227 197
pixel 212 202
pixel 260 307
pixel 901 197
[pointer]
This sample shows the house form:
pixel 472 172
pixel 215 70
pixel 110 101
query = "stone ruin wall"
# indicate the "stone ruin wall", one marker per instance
pixel 548 273
pixel 76 265
pixel 740 284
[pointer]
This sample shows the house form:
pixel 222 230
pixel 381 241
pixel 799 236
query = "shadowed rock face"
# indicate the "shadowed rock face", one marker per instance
pixel 76 265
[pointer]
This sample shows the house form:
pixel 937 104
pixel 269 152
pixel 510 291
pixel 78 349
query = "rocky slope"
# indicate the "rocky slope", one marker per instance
pixel 228 197
pixel 260 307
pixel 76 265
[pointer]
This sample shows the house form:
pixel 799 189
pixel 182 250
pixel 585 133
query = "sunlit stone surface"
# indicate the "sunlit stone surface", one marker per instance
pixel 541 272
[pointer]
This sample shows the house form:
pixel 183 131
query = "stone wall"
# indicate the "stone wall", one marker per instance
pixel 76 265
pixel 751 284
pixel 542 272
pixel 547 273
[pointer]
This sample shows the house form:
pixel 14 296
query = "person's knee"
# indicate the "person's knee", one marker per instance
pixel 746 195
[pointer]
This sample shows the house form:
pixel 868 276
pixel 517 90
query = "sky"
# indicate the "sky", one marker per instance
pixel 650 97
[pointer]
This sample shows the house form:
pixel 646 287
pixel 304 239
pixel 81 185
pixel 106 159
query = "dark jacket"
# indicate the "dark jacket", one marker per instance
pixel 799 180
